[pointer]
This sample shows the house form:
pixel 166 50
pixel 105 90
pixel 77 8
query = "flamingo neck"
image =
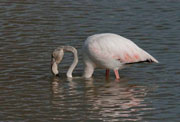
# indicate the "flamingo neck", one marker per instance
pixel 88 67
pixel 75 61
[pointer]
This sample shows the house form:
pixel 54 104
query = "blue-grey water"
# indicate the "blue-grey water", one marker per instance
pixel 31 30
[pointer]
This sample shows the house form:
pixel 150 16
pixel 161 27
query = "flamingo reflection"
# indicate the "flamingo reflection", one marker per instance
pixel 106 100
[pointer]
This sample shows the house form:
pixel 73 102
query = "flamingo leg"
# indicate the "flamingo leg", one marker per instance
pixel 107 73
pixel 116 74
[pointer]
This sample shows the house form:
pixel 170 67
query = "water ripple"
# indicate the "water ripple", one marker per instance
pixel 31 30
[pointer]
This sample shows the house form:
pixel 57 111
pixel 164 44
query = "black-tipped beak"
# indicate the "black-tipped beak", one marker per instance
pixel 57 75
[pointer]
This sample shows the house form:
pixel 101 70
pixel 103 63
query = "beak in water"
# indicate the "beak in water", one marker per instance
pixel 54 67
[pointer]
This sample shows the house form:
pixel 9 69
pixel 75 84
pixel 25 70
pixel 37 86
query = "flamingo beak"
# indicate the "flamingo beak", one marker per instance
pixel 54 68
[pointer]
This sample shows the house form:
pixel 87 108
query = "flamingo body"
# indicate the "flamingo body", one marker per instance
pixel 112 51
pixel 107 51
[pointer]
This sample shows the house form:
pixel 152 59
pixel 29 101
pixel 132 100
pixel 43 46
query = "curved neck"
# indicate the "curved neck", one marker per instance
pixel 75 61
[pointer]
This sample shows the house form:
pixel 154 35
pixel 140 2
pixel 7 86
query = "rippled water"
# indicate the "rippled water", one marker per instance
pixel 31 30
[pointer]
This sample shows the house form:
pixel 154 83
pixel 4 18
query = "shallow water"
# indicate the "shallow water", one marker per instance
pixel 31 30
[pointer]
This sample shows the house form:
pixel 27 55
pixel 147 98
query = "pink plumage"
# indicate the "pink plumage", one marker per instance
pixel 107 51
pixel 112 51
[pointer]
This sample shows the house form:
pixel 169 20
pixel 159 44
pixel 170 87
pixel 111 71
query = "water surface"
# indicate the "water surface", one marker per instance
pixel 31 30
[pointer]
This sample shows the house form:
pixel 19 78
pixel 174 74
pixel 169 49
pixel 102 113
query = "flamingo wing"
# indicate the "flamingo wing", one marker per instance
pixel 113 46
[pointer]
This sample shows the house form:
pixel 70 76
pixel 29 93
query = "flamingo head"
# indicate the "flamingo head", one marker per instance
pixel 57 56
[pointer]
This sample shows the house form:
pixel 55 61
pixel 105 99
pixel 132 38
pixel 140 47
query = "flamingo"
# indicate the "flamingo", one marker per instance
pixel 107 51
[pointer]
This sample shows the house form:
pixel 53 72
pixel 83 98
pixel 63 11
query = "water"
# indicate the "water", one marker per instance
pixel 31 30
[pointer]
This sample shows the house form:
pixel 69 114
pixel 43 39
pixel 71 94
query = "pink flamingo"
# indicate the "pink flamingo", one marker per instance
pixel 106 51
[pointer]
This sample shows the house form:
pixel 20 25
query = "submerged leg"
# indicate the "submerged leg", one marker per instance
pixel 107 73
pixel 116 74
